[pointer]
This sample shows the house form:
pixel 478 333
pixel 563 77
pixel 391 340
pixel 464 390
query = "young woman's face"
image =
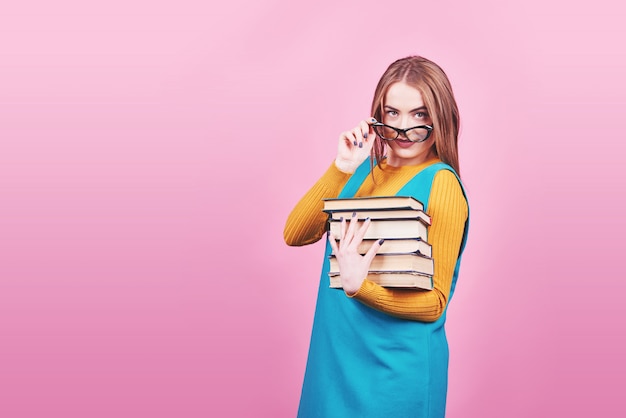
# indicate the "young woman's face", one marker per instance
pixel 404 108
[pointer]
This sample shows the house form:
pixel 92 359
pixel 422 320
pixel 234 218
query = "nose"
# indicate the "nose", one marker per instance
pixel 405 123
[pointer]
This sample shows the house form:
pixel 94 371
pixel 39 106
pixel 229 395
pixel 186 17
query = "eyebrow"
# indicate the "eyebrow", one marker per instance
pixel 410 111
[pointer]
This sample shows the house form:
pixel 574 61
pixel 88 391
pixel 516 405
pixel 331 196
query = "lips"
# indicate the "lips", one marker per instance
pixel 403 143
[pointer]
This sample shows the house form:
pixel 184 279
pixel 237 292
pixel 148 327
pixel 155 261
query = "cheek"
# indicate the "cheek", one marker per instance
pixel 433 147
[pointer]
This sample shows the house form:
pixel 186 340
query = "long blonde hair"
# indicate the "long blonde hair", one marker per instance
pixel 433 84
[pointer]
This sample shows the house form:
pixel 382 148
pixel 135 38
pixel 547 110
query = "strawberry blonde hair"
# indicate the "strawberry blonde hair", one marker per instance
pixel 433 84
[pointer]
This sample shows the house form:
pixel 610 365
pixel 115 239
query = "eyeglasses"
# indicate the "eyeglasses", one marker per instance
pixel 414 134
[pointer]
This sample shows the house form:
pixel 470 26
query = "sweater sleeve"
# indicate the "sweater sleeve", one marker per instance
pixel 449 211
pixel 306 223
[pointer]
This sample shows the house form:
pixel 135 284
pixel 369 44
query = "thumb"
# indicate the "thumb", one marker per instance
pixel 369 255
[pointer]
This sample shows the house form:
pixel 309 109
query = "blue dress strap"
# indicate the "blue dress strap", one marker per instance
pixel 357 178
pixel 427 176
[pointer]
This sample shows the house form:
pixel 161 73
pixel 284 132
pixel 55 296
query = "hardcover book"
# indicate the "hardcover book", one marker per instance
pixel 399 280
pixel 387 263
pixel 389 228
pixel 381 214
pixel 397 245
pixel 372 202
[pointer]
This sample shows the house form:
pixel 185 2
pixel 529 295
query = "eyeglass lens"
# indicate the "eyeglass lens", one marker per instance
pixel 388 133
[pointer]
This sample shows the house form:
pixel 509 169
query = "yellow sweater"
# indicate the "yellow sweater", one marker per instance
pixel 447 207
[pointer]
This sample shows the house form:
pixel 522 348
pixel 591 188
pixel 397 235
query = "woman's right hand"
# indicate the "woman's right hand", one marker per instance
pixel 355 146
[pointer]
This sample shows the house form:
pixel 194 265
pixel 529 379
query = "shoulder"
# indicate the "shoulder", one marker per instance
pixel 445 177
pixel 447 192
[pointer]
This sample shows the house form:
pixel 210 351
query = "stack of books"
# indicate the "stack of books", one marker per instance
pixel 405 258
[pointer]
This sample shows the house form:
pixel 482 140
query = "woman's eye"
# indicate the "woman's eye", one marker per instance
pixel 392 113
pixel 420 115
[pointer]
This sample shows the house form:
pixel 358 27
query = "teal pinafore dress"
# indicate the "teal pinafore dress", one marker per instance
pixel 364 363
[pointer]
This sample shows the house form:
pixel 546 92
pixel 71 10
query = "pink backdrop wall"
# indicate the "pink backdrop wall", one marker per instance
pixel 150 152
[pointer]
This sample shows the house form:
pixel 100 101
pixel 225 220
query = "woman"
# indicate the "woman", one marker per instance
pixel 375 351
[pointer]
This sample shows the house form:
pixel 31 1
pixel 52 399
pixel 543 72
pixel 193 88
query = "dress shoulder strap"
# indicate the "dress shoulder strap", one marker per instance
pixel 419 186
pixel 357 178
pixel 415 187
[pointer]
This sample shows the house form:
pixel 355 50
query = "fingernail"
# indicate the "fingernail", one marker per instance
pixel 367 219
pixel 355 142
pixel 360 145
pixel 374 120
pixel 365 135
pixel 353 214
pixel 340 218
pixel 380 241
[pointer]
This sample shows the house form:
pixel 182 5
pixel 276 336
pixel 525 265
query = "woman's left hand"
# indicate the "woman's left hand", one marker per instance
pixel 353 267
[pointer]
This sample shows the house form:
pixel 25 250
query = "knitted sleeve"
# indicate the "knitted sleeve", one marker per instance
pixel 448 208
pixel 306 222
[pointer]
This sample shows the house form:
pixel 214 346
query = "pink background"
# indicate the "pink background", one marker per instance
pixel 150 152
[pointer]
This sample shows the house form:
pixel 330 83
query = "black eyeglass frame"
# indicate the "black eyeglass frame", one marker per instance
pixel 404 131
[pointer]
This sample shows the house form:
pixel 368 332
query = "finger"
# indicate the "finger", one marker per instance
pixel 333 242
pixel 354 140
pixel 358 135
pixel 343 230
pixel 332 234
pixel 365 130
pixel 352 228
pixel 370 136
pixel 371 253
pixel 360 233
pixel 370 122
pixel 349 139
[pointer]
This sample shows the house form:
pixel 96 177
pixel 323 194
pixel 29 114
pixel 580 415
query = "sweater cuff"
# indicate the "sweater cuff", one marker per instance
pixel 336 174
pixel 367 292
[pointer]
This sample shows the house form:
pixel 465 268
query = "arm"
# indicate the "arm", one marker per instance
pixel 448 209
pixel 306 222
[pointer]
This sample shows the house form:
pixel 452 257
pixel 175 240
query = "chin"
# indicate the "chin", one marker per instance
pixel 409 153
pixel 413 155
